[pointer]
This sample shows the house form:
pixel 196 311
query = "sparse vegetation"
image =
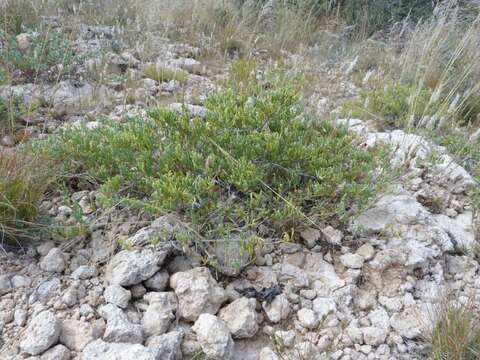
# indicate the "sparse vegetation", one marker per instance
pixel 261 161
pixel 431 87
pixel 44 51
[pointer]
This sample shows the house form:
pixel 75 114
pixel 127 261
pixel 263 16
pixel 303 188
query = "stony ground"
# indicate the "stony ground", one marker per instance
pixel 368 292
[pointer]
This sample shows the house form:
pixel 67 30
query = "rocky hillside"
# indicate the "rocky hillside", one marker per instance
pixel 166 197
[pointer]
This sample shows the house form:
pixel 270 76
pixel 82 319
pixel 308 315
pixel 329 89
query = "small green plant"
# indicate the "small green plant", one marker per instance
pixel 456 334
pixel 46 49
pixel 23 181
pixel 162 74
pixel 256 159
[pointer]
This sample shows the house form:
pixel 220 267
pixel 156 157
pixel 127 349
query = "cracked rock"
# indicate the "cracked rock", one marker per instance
pixel 132 267
pixel 119 328
pixel 117 295
pixel 100 349
pixel 41 334
pixel 241 318
pixel 214 337
pixel 197 293
pixel 167 346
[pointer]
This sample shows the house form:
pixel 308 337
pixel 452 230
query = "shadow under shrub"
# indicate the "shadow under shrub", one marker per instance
pixel 256 159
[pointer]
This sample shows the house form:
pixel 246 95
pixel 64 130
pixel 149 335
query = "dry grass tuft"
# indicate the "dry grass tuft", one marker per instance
pixel 23 182
pixel 456 333
pixel 163 74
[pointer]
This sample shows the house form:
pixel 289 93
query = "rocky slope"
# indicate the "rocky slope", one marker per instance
pixel 368 292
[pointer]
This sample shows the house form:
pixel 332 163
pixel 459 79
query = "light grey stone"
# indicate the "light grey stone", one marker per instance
pixel 19 281
pixel 45 247
pixel 323 306
pixel 278 309
pixel 41 334
pixel 352 261
pixel 167 346
pixel 138 291
pixel 58 352
pixel 20 317
pixel 70 297
pixel 193 110
pixel 160 230
pixel 355 334
pixel 374 336
pixel 214 337
pixel 366 251
pixel 119 328
pixel 307 350
pixel 389 210
pixel 48 289
pixel 241 318
pixel 332 236
pixel 5 284
pixel 285 338
pixel 461 228
pixel 408 323
pixel 296 275
pixel 100 349
pixel 54 261
pixel 308 318
pixel 84 272
pixel 267 354
pixel 159 281
pixel 132 267
pixel 197 293
pixel 117 295
pixel 156 320
pixel 167 300
pixel 76 334
pixel 310 236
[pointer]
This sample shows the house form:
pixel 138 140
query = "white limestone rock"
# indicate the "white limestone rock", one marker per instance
pixel 100 349
pixel 214 337
pixel 132 267
pixel 197 292
pixel 278 309
pixel 117 295
pixel 241 318
pixel 42 333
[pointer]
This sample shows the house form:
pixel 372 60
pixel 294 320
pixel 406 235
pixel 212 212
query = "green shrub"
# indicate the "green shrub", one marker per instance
pixel 255 159
pixel 456 334
pixel 162 74
pixel 23 181
pixel 45 51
